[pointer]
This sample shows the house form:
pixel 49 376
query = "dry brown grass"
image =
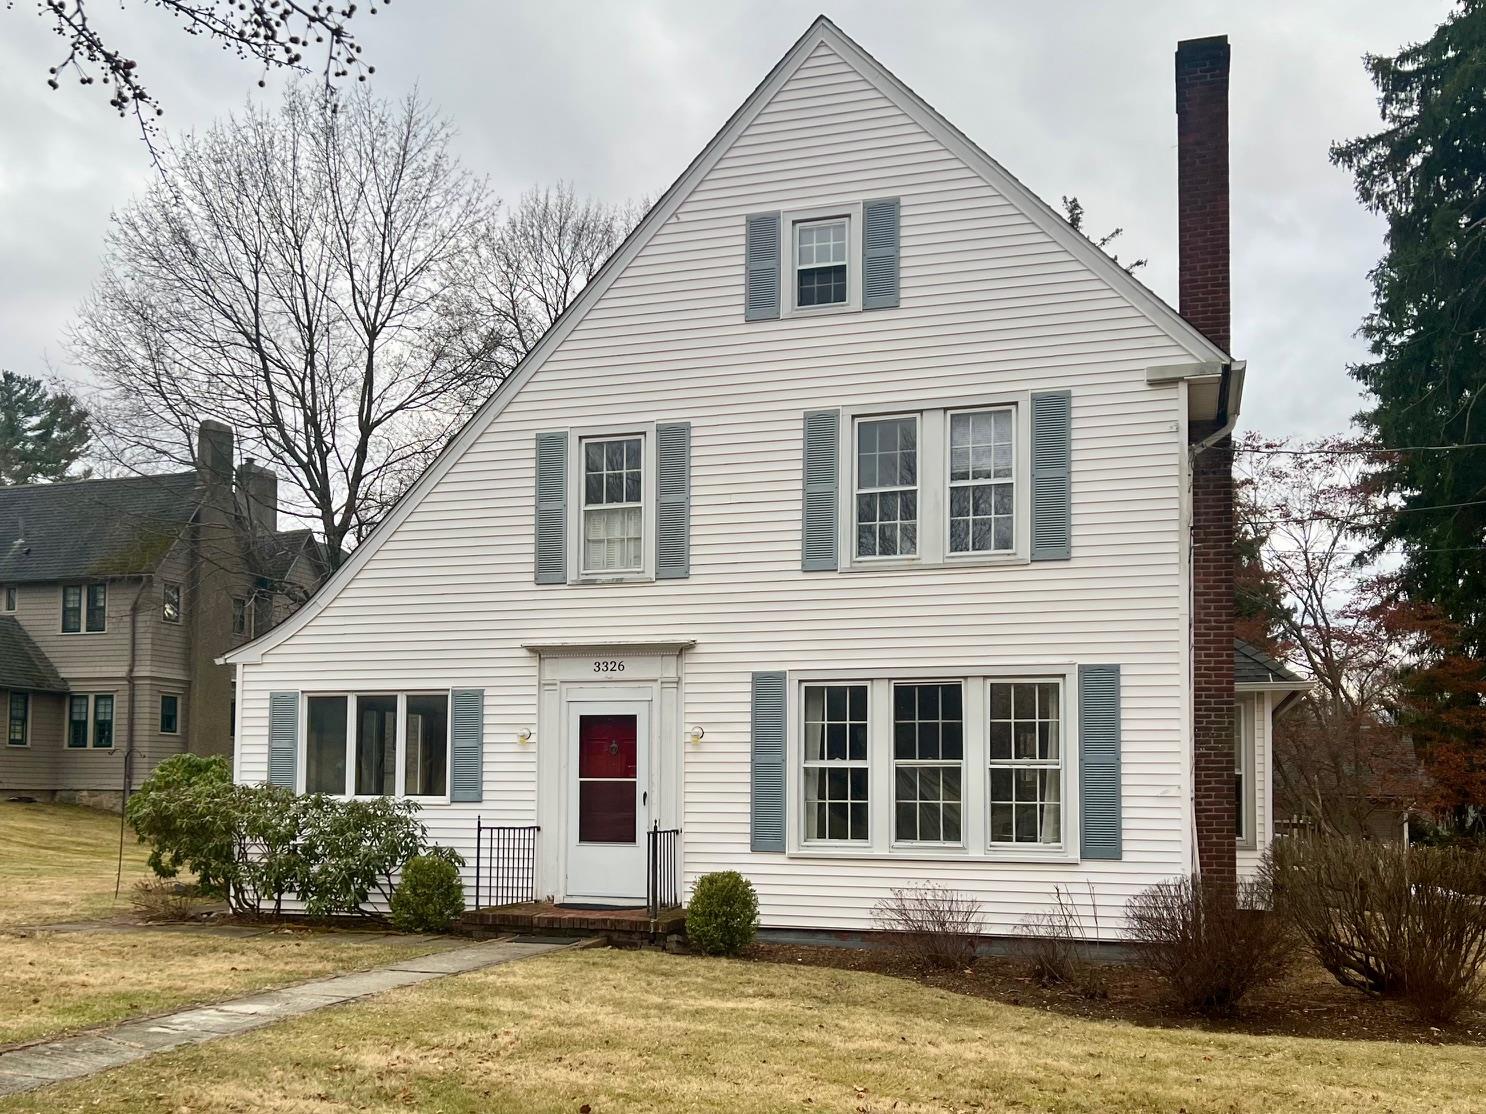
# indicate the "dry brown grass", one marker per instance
pixel 628 1031
pixel 58 863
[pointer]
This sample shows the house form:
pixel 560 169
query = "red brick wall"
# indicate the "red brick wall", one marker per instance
pixel 1202 206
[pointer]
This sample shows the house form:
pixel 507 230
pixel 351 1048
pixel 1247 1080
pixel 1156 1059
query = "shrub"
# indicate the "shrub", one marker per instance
pixel 1388 919
pixel 181 811
pixel 723 914
pixel 429 896
pixel 930 924
pixel 160 899
pixel 1055 946
pixel 1211 942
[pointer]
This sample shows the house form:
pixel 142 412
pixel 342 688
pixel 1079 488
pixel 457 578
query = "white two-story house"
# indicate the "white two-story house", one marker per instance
pixel 851 522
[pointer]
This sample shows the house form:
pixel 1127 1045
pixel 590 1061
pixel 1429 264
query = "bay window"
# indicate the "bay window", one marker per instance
pixel 377 744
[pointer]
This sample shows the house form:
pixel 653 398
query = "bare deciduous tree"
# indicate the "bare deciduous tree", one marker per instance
pixel 291 275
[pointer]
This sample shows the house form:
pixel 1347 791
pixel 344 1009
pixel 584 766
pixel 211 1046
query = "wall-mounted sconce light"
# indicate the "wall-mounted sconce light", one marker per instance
pixel 696 735
pixel 524 736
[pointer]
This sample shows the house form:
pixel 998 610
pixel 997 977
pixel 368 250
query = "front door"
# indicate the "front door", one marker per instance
pixel 608 801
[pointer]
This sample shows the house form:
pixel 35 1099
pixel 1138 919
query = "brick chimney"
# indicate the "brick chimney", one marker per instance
pixel 258 497
pixel 1202 218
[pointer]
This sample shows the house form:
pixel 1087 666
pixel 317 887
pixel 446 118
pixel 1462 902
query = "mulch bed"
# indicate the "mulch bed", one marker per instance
pixel 1309 1003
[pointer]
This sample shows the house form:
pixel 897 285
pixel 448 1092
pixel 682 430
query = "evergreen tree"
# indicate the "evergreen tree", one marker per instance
pixel 1425 172
pixel 43 432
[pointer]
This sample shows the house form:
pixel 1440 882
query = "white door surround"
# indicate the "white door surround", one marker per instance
pixel 641 679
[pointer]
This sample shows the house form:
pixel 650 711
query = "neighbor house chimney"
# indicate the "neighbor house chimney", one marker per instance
pixel 214 454
pixel 258 497
pixel 1202 219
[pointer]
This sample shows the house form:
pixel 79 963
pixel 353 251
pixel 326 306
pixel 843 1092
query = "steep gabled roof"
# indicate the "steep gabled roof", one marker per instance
pixel 82 529
pixel 23 667
pixel 821 32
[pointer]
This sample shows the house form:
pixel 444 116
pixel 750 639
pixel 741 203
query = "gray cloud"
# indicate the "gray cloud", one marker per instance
pixel 1073 97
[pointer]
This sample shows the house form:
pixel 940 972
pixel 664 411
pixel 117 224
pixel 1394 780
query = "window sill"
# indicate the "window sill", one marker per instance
pixel 818 311
pixel 894 564
pixel 622 578
pixel 1059 856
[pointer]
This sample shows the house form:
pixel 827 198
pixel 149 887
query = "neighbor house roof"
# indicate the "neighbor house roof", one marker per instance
pixel 91 528
pixel 1252 666
pixel 22 664
pixel 279 552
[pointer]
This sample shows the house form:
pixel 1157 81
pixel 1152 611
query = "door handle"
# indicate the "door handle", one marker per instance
pixel 645 797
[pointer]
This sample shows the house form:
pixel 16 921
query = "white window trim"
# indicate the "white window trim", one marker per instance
pixel 933 483
pixel 830 845
pixel 893 761
pixel 1064 761
pixel 400 773
pixel 180 601
pixel 178 703
pixel 851 212
pixel 26 731
pixel 82 619
pixel 648 478
pixel 1244 725
pixel 92 721
pixel 918 487
pixel 975 806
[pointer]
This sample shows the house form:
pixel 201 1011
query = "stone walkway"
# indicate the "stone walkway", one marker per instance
pixel 39 1065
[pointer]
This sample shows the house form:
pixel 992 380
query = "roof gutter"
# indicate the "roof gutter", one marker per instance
pixel 1227 415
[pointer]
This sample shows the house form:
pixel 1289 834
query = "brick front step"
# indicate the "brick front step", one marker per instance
pixel 544 919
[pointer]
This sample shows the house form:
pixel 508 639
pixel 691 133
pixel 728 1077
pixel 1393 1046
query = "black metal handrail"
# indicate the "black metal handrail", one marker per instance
pixel 511 877
pixel 662 875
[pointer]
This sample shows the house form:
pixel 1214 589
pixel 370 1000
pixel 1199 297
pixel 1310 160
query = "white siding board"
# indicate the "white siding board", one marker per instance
pixel 990 303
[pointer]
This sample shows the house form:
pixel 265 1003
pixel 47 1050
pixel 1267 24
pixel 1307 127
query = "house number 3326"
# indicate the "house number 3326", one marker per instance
pixel 609 666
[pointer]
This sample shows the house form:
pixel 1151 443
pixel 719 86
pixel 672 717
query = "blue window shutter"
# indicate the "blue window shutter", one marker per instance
pixel 1052 467
pixel 552 504
pixel 822 449
pixel 761 266
pixel 467 732
pixel 283 739
pixel 768 762
pixel 880 220
pixel 1099 761
pixel 673 501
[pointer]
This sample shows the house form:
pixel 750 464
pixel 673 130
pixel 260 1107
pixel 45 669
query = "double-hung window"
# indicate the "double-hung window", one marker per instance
pixel 242 616
pixel 170 714
pixel 170 603
pixel 821 252
pixel 1026 762
pixel 84 608
pixel 937 486
pixel 613 492
pixel 377 744
pixel 1243 779
pixel 887 487
pixel 90 720
pixel 20 716
pixel 9 598
pixel 836 763
pixel 928 762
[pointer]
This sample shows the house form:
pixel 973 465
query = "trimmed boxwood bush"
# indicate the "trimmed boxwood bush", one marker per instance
pixel 723 915
pixel 429 896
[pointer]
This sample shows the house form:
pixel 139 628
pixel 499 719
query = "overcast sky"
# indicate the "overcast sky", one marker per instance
pixel 1073 98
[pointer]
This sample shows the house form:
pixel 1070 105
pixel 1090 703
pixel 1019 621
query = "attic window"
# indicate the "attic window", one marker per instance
pixel 820 263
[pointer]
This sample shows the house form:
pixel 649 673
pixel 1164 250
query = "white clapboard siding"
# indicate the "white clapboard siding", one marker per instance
pixel 990 303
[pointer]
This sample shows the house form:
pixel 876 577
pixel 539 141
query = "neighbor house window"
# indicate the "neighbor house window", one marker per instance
pixel 836 767
pixel 981 477
pixel 10 597
pixel 928 759
pixel 1026 762
pixel 613 505
pixel 170 714
pixel 90 719
pixel 20 715
pixel 242 616
pixel 1242 813
pixel 390 743
pixel 76 618
pixel 887 487
pixel 77 721
pixel 103 721
pixel 820 263
pixel 171 606
pixel 325 745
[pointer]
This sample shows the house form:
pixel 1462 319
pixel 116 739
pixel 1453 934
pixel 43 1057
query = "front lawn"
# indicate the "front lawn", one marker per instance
pixel 644 1031
pixel 60 863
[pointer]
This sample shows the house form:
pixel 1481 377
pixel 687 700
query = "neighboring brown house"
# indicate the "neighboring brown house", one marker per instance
pixel 116 596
